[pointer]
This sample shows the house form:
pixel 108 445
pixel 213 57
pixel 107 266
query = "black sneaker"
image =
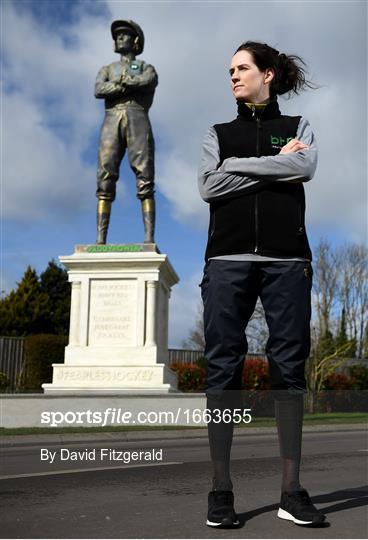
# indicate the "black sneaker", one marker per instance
pixel 297 507
pixel 221 510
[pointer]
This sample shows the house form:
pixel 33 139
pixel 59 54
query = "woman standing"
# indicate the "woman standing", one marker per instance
pixel 251 174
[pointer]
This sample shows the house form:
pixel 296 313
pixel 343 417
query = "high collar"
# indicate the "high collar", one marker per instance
pixel 271 110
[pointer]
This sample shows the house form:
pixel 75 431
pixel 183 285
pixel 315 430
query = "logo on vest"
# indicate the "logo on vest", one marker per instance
pixel 279 142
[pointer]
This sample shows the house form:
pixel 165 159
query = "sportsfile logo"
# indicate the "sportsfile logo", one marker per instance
pixel 279 142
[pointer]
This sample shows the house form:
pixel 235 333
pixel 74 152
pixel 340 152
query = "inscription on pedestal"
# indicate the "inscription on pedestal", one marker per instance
pixel 113 312
pixel 112 375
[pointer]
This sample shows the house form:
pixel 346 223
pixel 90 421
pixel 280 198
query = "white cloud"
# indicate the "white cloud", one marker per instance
pixel 190 45
pixel 42 177
pixel 337 196
pixel 184 302
pixel 177 180
pixel 51 118
pixel 192 59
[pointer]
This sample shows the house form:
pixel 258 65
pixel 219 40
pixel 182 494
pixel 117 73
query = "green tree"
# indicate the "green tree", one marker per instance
pixel 24 311
pixel 54 283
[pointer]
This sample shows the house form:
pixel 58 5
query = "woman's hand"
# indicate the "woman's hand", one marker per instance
pixel 293 146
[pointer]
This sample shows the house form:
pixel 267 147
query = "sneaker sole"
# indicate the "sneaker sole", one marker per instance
pixel 223 523
pixel 283 514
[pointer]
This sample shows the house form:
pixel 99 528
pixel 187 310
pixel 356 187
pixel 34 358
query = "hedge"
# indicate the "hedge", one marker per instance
pixel 191 377
pixel 40 352
pixel 341 392
pixel 4 381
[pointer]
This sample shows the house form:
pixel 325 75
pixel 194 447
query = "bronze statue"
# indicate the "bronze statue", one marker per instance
pixel 127 87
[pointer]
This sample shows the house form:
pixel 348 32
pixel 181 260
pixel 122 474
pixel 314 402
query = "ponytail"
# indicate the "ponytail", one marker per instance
pixel 290 70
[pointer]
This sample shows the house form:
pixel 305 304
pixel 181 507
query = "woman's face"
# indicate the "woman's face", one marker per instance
pixel 248 83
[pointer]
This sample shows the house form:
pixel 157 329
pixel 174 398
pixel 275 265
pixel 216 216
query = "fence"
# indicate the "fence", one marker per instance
pixel 184 356
pixel 12 353
pixel 187 356
pixel 11 358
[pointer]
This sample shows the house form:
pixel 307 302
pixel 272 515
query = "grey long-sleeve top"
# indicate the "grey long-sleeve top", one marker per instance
pixel 220 181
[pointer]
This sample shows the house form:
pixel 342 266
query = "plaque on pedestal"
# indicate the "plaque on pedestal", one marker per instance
pixel 118 339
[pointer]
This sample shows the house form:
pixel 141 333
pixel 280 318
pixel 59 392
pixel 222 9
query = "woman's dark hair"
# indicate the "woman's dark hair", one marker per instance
pixel 289 70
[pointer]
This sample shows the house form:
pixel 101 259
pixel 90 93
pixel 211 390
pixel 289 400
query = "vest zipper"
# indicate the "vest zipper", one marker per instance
pixel 300 220
pixel 258 120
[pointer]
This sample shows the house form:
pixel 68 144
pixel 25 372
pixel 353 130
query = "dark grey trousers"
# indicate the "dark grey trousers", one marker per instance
pixel 229 291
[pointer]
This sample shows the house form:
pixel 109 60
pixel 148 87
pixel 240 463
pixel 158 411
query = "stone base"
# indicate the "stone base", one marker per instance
pixel 119 321
pixel 25 410
pixel 53 390
pixel 157 377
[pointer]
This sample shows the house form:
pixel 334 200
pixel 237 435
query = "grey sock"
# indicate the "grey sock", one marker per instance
pixel 289 410
pixel 220 436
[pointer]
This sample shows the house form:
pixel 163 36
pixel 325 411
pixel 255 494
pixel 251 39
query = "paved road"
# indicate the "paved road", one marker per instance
pixel 106 499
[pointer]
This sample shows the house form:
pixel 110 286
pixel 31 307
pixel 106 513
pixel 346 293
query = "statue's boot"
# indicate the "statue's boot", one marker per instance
pixel 149 213
pixel 103 219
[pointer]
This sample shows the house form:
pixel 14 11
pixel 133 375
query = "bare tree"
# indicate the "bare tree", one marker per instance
pixel 325 284
pixel 196 340
pixel 320 366
pixel 353 291
pixel 256 332
pixel 340 285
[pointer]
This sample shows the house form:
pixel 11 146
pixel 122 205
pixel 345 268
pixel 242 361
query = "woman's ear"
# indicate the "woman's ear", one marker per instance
pixel 269 74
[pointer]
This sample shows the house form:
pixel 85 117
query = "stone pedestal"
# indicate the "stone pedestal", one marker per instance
pixel 118 338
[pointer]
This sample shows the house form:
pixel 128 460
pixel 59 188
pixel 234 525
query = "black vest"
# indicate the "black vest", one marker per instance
pixel 268 218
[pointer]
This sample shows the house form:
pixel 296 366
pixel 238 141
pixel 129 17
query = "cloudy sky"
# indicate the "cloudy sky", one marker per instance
pixel 51 53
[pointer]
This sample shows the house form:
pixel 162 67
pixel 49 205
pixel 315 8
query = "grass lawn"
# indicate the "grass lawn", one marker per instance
pixel 318 419
pixel 309 419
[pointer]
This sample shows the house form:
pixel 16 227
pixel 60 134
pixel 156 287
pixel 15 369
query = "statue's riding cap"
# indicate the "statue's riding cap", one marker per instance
pixel 131 25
